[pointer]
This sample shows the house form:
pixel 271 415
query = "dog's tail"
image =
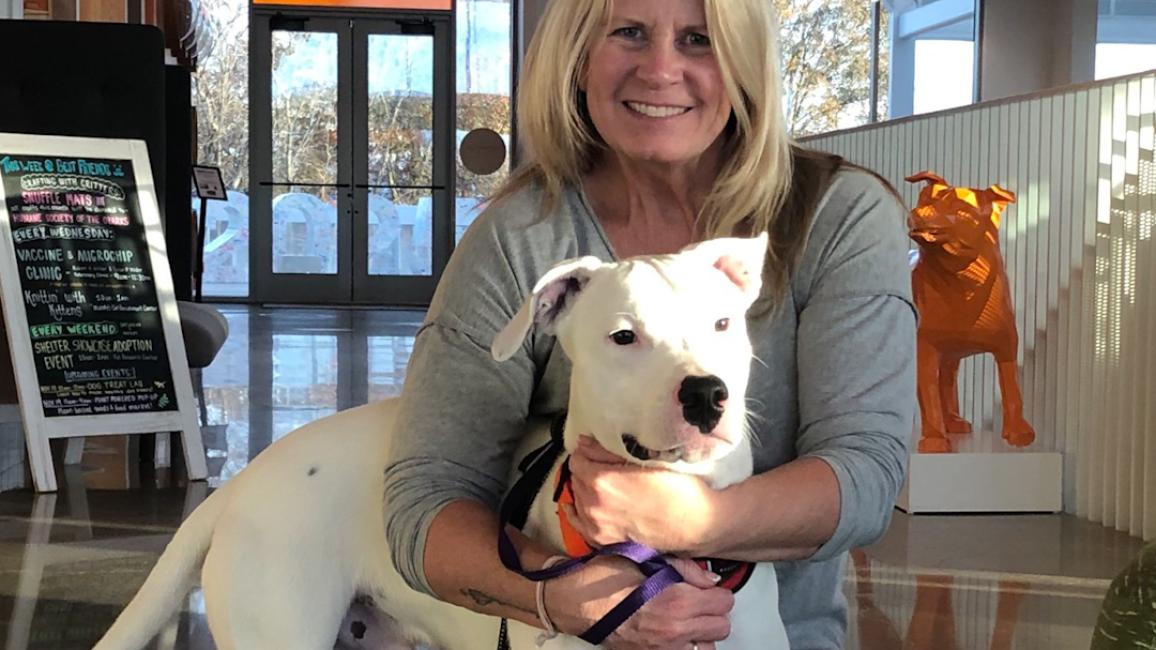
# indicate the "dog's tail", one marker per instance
pixel 168 583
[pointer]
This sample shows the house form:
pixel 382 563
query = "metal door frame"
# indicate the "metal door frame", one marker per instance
pixel 351 284
pixel 397 289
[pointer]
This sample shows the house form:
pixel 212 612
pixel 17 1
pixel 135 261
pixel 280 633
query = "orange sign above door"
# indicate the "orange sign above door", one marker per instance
pixel 421 5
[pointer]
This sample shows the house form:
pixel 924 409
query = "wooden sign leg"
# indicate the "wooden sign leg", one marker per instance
pixel 40 459
pixel 162 452
pixel 194 455
pixel 75 452
pixel 194 449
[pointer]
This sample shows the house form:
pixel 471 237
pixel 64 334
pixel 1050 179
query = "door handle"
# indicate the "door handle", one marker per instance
pixel 400 187
pixel 288 184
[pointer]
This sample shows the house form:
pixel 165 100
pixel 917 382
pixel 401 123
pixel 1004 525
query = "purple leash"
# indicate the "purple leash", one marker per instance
pixel 659 574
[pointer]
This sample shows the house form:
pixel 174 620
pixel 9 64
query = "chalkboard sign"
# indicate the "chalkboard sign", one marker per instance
pixel 86 281
pixel 88 299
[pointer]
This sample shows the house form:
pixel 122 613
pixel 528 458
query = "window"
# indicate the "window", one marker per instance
pixel 826 50
pixel 1125 38
pixel 944 74
pixel 484 48
pixel 932 55
pixel 913 56
pixel 221 97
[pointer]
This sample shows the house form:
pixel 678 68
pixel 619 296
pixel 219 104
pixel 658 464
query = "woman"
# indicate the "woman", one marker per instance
pixel 658 125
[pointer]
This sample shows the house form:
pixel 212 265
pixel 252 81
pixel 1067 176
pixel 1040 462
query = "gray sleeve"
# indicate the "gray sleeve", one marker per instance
pixel 461 413
pixel 856 354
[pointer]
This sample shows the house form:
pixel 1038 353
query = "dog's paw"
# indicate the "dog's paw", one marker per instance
pixel 956 424
pixel 1019 434
pixel 934 445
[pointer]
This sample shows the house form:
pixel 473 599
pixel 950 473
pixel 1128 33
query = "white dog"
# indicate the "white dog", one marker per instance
pixel 660 365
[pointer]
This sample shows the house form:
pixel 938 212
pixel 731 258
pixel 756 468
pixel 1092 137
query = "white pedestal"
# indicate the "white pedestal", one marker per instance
pixel 983 482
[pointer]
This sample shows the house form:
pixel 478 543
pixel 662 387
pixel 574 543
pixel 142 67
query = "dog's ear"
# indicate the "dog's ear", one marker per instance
pixel 998 198
pixel 928 176
pixel 999 194
pixel 550 299
pixel 740 258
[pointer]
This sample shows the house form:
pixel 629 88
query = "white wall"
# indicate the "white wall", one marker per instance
pixel 1033 45
pixel 529 11
pixel 1074 42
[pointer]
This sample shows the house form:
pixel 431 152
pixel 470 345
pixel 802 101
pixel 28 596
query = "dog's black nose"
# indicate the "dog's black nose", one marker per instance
pixel 702 399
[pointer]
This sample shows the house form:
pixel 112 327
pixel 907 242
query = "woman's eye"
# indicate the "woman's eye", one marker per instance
pixel 627 32
pixel 697 40
pixel 722 324
pixel 623 337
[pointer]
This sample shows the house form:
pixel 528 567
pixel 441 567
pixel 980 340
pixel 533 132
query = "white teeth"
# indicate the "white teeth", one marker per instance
pixel 651 110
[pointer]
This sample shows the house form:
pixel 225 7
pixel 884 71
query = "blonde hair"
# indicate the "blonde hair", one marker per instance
pixel 755 178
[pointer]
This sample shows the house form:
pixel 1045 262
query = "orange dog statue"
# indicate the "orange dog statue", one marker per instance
pixel 964 303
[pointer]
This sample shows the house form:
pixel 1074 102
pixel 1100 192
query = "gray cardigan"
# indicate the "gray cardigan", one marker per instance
pixel 836 382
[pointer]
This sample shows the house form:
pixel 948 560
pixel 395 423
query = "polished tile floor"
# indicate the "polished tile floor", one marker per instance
pixel 69 561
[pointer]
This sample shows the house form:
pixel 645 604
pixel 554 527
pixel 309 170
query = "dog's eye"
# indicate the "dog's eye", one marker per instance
pixel 722 324
pixel 622 337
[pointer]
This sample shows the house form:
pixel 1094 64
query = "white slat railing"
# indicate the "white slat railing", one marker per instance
pixel 1081 261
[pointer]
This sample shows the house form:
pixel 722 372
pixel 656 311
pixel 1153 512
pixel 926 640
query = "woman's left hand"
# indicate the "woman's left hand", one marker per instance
pixel 616 501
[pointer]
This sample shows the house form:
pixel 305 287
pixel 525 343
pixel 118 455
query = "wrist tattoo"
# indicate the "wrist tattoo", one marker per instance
pixel 482 599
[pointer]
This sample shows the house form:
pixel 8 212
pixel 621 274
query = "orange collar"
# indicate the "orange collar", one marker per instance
pixel 575 544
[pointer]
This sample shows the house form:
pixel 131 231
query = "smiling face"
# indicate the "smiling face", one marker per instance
pixel 654 90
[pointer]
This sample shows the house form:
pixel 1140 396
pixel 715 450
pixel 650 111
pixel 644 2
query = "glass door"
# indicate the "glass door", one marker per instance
pixel 352 139
pixel 403 148
pixel 301 159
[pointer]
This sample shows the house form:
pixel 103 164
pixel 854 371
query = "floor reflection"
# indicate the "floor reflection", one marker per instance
pixel 284 368
pixel 900 607
pixel 69 561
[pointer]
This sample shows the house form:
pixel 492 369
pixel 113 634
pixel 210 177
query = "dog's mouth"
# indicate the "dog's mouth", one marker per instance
pixel 929 233
pixel 638 450
pixel 683 452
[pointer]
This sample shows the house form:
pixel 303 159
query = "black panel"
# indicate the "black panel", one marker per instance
pixel 98 80
pixel 178 182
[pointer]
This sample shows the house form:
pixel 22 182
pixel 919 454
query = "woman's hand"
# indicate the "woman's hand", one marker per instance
pixel 616 502
pixel 694 611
